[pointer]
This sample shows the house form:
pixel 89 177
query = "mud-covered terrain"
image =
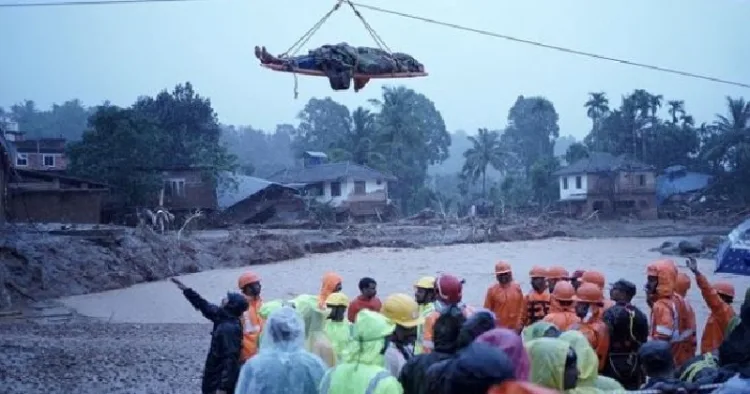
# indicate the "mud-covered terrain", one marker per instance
pixel 37 263
pixel 48 348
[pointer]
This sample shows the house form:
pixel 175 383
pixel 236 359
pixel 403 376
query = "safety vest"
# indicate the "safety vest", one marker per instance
pixel 325 385
pixel 425 311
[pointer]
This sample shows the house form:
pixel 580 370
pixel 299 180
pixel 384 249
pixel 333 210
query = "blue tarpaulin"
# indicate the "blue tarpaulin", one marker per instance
pixel 733 256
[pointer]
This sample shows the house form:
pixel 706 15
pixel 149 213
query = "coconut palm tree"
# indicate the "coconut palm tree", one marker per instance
pixel 732 131
pixel 487 150
pixel 596 107
pixel 676 109
pixel 358 144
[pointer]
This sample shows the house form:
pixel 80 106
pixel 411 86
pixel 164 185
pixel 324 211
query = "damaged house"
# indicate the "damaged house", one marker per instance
pixel 352 189
pixel 255 200
pixel 608 185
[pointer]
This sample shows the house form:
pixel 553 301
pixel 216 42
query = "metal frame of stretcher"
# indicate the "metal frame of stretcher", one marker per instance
pixel 317 73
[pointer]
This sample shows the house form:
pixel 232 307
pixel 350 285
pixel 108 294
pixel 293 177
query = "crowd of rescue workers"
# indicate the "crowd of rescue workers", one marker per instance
pixel 563 336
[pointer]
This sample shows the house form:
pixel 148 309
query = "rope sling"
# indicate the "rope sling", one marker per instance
pixel 291 66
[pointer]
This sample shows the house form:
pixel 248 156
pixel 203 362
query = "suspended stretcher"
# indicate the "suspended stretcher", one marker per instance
pixel 342 63
pixel 318 73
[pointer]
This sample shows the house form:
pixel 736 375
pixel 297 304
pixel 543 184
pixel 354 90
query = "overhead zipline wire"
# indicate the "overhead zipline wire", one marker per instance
pixel 90 2
pixel 432 21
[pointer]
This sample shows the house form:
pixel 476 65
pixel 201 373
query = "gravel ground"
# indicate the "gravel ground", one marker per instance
pixel 88 357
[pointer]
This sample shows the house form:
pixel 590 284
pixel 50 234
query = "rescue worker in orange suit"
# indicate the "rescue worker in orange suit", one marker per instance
pixel 554 275
pixel 331 283
pixel 681 288
pixel 448 294
pixel 562 310
pixel 505 299
pixel 719 298
pixel 598 279
pixel 538 299
pixel 252 323
pixel 666 306
pixel 589 306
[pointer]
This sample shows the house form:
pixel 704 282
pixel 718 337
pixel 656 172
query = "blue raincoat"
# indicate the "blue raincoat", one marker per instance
pixel 282 366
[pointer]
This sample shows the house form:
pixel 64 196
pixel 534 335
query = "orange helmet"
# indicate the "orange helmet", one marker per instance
pixel 502 267
pixel 538 272
pixel 247 278
pixel 563 291
pixel 589 293
pixel 724 288
pixel 594 277
pixel 557 272
pixel 683 284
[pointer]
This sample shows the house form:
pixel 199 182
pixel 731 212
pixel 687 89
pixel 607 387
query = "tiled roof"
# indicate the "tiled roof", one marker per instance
pixel 603 162
pixel 328 172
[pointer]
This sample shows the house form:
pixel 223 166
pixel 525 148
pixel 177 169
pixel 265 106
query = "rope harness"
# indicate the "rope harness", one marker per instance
pixel 288 55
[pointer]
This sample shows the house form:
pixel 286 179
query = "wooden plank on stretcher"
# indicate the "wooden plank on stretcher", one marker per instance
pixel 318 73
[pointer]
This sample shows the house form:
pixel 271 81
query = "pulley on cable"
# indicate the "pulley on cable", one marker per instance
pixel 342 63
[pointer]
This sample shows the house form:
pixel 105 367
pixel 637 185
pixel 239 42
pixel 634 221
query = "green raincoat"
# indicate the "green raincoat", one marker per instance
pixel 548 357
pixel 340 334
pixel 316 340
pixel 362 371
pixel 588 364
pixel 536 331
pixel 424 311
pixel 265 310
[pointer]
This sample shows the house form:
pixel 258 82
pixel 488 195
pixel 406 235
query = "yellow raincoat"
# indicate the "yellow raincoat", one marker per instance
pixel 265 310
pixel 362 371
pixel 588 364
pixel 548 357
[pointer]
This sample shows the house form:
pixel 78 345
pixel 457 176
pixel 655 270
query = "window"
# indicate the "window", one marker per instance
pixel 359 187
pixel 641 180
pixel 565 183
pixel 315 189
pixel 22 159
pixel 578 182
pixel 335 189
pixel 174 188
pixel 49 160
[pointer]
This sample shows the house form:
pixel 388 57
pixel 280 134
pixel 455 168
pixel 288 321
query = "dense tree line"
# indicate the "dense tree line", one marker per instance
pixel 126 147
pixel 401 133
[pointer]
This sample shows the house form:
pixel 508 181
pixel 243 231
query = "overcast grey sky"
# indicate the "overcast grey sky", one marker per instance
pixel 117 53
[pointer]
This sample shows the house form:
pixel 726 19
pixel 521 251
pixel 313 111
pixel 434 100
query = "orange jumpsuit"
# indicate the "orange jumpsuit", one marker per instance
pixel 594 328
pixel 563 317
pixel 331 280
pixel 252 325
pixel 665 318
pixel 506 301
pixel 688 327
pixel 721 312
pixel 598 279
pixel 429 325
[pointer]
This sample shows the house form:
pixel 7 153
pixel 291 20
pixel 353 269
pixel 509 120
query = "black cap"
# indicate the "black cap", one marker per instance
pixel 625 286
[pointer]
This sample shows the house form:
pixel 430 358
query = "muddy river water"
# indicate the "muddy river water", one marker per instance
pixel 396 270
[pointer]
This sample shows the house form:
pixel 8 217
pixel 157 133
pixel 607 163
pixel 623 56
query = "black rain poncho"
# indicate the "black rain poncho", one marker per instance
pixel 223 361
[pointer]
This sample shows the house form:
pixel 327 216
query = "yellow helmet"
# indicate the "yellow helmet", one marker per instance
pixel 425 282
pixel 402 310
pixel 337 299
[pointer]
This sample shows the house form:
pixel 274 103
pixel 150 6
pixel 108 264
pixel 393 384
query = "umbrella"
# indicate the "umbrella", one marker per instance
pixel 733 256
